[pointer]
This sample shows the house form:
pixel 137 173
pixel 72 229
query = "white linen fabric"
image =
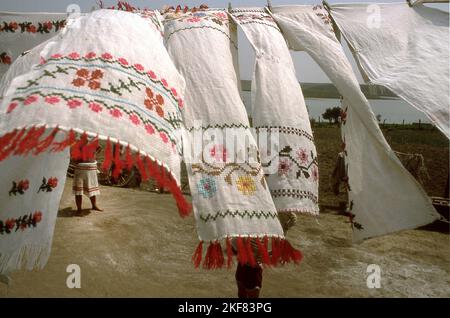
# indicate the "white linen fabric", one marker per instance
pixel 229 192
pixel 403 48
pixel 21 31
pixel 383 196
pixel 278 107
pixel 31 188
pixel 86 82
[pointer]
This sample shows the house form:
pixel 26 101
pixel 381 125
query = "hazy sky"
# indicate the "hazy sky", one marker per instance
pixel 307 69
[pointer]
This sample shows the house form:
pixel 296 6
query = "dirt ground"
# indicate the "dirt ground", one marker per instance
pixel 140 247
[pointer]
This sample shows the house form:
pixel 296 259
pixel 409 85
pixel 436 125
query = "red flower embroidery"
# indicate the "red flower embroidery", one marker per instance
pixel 164 82
pixel 284 166
pixel 115 113
pixel 180 103
pixel 150 130
pixel 107 56
pixel 13 25
pixel 174 91
pixel 219 153
pixel 85 76
pixel 139 67
pixel 91 55
pixel 11 107
pixel 10 223
pixel 74 55
pixel 95 107
pixel 37 216
pixel 164 137
pixel 52 99
pixel 315 174
pixel 74 103
pixel 52 182
pixel 56 56
pixel 31 29
pixel 151 74
pixel 30 99
pixel 23 184
pixel 122 61
pixel 302 155
pixel 154 102
pixel 135 119
pixel 48 25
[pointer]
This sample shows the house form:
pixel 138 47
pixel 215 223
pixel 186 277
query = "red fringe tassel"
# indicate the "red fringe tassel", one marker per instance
pixel 281 250
pixel 31 140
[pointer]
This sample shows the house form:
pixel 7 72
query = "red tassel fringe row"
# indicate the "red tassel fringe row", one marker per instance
pixel 248 252
pixel 32 141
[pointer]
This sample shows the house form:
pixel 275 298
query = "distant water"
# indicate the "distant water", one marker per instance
pixel 393 111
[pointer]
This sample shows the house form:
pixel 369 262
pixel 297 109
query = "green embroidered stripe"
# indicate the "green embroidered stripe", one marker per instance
pixel 295 193
pixel 203 27
pixel 242 214
pixel 259 22
pixel 288 130
pixel 218 126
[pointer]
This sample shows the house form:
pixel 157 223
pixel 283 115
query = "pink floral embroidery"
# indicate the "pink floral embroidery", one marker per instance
pixel 42 60
pixel 11 107
pixel 180 103
pixel 284 166
pixel 219 153
pixel 315 174
pixel 95 107
pixel 135 119
pixel 30 99
pixel 302 155
pixel 74 103
pixel 193 20
pixel 150 130
pixel 164 137
pixel 74 55
pixel 115 113
pixel 174 91
pixel 122 61
pixel 164 82
pixel 139 67
pixel 56 56
pixel 151 74
pixel 107 56
pixel 52 99
pixel 91 55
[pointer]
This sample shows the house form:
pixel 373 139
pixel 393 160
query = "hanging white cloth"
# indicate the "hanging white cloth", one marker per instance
pixel 278 107
pixel 403 48
pixel 21 31
pixel 230 197
pixel 384 197
pixel 31 188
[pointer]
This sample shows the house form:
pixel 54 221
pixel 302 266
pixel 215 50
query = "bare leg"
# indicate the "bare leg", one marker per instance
pixel 94 204
pixel 78 201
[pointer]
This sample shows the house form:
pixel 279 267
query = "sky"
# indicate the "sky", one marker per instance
pixel 307 70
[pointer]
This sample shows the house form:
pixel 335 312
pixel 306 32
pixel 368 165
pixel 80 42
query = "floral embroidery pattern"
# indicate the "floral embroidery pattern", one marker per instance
pixel 246 185
pixel 343 115
pixel 154 101
pixel 207 187
pixel 322 13
pixel 48 185
pixel 284 167
pixel 19 187
pixel 29 27
pixel 300 159
pixel 5 58
pixel 23 222
pixel 84 76
pixel 241 214
pixel 228 169
pixel 218 153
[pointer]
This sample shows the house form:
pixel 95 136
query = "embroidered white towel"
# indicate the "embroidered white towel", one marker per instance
pixel 384 197
pixel 278 107
pixel 229 192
